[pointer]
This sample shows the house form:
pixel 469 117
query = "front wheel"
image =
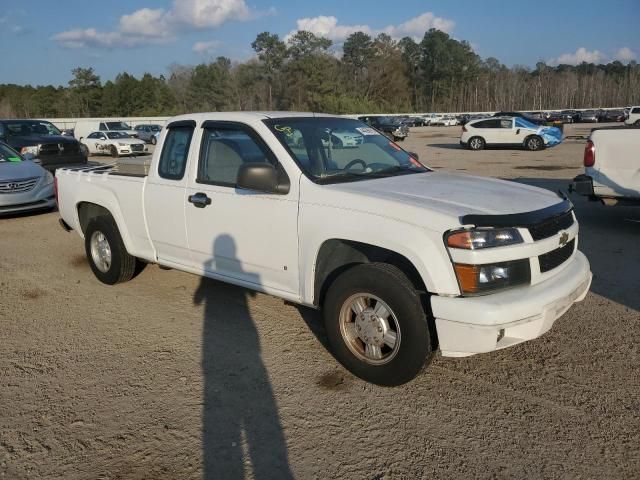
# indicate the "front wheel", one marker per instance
pixel 376 324
pixel 534 143
pixel 107 255
pixel 153 140
pixel 84 150
pixel 114 151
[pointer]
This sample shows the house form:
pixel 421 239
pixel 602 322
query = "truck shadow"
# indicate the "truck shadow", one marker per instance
pixel 609 239
pixel 241 429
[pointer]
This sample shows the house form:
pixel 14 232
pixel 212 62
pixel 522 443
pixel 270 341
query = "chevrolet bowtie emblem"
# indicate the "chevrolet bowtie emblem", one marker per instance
pixel 564 238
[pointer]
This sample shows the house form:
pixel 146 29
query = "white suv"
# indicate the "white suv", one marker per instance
pixel 634 116
pixel 508 131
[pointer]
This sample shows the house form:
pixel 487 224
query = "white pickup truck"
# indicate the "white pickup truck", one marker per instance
pixel 400 258
pixel 612 166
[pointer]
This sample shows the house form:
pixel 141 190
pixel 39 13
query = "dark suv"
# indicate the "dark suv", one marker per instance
pixel 39 139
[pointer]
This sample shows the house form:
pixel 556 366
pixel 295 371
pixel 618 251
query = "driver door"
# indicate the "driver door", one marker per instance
pixel 248 236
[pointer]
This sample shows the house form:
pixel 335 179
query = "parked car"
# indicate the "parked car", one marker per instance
pixel 42 140
pixel 508 131
pixel 84 127
pixel 537 121
pixel 612 116
pixel 114 143
pixel 589 116
pixel 24 185
pixel 418 121
pixel 612 169
pixel 446 121
pixel 147 132
pixel 391 127
pixel 400 258
pixel 634 116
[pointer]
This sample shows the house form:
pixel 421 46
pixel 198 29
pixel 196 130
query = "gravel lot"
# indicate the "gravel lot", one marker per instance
pixel 169 376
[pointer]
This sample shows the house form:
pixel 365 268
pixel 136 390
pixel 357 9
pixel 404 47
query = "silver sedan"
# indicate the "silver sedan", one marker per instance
pixel 24 185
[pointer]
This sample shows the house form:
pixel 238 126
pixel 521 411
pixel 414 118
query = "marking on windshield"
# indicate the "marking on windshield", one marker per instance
pixel 284 129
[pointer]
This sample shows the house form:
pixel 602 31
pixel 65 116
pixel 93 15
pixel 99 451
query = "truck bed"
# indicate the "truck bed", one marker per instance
pixel 117 189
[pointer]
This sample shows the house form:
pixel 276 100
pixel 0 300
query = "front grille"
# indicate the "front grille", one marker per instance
pixel 557 257
pixel 59 149
pixel 18 186
pixel 137 147
pixel 548 228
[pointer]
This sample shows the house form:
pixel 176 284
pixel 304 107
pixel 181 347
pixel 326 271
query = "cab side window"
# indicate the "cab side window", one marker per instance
pixel 224 150
pixel 103 126
pixel 173 160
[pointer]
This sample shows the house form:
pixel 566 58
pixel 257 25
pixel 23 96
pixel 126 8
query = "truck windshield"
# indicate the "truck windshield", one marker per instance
pixel 24 128
pixel 331 150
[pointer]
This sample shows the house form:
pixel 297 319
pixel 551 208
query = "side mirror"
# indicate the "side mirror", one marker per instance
pixel 261 177
pixel 518 132
pixel 414 155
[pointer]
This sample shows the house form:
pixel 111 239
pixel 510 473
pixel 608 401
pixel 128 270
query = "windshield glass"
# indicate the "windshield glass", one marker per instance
pixel 117 135
pixel 8 155
pixel 25 128
pixel 118 126
pixel 524 123
pixel 332 150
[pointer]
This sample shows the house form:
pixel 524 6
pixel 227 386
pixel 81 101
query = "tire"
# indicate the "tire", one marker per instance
pixel 534 143
pixel 121 266
pixel 153 140
pixel 84 150
pixel 114 151
pixel 637 123
pixel 386 286
pixel 476 143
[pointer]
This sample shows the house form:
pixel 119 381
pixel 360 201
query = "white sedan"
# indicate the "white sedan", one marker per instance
pixel 113 143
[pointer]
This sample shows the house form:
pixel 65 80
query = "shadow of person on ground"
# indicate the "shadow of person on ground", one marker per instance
pixel 241 429
pixel 609 238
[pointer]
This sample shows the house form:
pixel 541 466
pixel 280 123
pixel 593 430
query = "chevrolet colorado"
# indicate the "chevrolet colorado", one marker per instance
pixel 401 259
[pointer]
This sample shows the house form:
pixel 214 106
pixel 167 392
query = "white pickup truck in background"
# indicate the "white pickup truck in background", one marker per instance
pixel 400 258
pixel 612 166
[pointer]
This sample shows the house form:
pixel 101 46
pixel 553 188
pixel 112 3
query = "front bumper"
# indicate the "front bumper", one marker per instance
pixel 470 325
pixel 40 198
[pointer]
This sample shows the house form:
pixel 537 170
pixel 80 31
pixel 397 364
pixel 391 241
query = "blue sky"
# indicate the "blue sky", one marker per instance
pixel 43 40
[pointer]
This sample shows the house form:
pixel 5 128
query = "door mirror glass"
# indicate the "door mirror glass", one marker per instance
pixel 261 177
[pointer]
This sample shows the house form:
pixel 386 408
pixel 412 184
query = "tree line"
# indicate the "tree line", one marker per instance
pixel 373 74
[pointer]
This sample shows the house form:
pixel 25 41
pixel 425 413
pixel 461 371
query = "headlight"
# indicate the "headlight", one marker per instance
pixel 482 279
pixel 483 238
pixel 48 179
pixel 35 149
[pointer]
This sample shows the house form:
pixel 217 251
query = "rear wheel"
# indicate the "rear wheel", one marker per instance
pixel 107 255
pixel 376 324
pixel 476 143
pixel 534 143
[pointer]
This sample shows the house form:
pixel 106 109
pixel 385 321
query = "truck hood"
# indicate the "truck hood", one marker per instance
pixel 448 196
pixel 19 170
pixel 30 140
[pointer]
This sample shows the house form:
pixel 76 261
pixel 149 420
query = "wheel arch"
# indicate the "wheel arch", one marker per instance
pixel 337 255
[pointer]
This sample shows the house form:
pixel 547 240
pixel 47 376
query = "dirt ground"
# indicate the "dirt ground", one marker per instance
pixel 172 377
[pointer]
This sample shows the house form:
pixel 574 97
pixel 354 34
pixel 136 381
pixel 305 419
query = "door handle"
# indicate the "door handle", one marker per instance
pixel 199 200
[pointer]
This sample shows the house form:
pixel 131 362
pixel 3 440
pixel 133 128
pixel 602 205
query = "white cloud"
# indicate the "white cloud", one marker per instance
pixel 148 26
pixel 625 55
pixel 580 55
pixel 327 26
pixel 206 47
